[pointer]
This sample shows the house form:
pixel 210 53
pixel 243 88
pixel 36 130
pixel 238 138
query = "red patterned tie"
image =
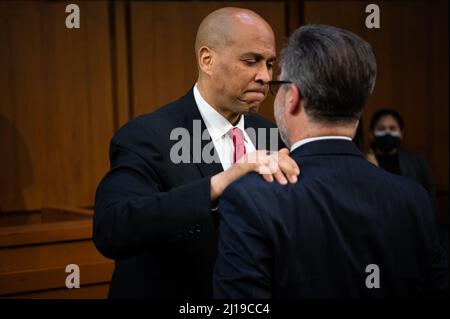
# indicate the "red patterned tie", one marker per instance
pixel 238 143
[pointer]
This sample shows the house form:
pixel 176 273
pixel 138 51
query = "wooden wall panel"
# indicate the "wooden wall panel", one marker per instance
pixel 162 47
pixel 437 89
pixel 120 55
pixel 35 252
pixel 56 115
pixel 411 48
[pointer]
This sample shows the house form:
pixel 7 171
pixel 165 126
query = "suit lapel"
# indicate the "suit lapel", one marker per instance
pixel 196 126
pixel 248 124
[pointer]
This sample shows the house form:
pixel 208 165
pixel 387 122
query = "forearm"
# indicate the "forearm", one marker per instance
pixel 128 224
pixel 220 181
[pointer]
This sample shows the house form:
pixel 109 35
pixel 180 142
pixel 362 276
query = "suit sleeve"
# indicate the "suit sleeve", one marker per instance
pixel 242 268
pixel 132 212
pixel 427 180
pixel 438 281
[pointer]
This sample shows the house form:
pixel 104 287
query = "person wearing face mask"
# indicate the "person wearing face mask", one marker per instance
pixel 386 127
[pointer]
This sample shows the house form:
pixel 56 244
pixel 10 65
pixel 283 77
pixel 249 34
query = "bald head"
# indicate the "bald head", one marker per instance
pixel 235 51
pixel 218 29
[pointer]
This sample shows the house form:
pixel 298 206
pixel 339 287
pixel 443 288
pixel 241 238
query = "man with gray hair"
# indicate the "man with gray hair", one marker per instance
pixel 347 229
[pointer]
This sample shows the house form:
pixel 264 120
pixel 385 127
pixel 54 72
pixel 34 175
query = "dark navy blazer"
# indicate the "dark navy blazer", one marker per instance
pixel 317 238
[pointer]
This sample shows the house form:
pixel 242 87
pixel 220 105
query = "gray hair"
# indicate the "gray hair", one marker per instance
pixel 334 69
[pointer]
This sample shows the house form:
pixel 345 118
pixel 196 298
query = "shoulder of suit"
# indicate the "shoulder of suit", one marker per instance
pixel 254 192
pixel 165 117
pixel 166 113
pixel 253 185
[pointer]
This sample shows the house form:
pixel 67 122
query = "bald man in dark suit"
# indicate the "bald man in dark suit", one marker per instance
pixel 155 209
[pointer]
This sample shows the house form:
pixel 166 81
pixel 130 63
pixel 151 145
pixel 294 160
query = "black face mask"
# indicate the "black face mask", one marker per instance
pixel 387 142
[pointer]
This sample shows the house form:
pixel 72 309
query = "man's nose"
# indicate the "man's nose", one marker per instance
pixel 264 75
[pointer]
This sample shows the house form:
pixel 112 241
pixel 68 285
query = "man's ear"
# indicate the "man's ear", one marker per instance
pixel 205 59
pixel 293 100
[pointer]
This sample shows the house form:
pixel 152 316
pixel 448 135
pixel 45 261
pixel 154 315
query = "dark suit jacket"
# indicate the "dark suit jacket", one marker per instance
pixel 152 216
pixel 414 166
pixel 315 238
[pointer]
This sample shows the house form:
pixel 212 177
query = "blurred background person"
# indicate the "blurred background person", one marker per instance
pixel 386 127
pixel 387 130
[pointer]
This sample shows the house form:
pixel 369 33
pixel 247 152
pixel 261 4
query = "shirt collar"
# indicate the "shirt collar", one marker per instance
pixel 312 139
pixel 216 124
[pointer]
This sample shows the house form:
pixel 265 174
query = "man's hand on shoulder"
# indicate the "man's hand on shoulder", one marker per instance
pixel 270 165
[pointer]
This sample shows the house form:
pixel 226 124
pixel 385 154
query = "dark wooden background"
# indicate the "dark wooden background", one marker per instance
pixel 64 92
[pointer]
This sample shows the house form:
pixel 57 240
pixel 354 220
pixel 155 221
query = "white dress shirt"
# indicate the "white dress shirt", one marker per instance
pixel 312 139
pixel 219 129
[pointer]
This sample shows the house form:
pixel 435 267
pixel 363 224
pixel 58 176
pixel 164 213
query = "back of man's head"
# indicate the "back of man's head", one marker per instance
pixel 334 69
